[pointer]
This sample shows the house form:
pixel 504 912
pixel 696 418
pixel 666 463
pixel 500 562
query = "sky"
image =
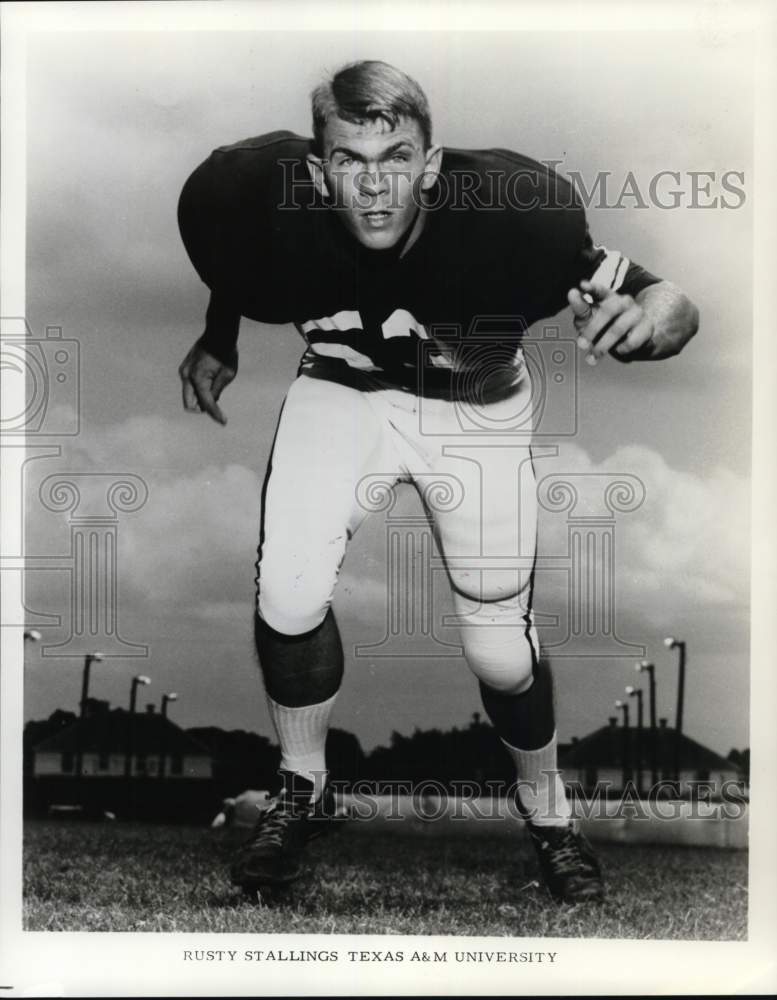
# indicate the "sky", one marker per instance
pixel 117 121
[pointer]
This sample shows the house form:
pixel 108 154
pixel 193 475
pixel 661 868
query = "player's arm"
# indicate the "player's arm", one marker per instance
pixel 657 322
pixel 211 363
pixel 621 309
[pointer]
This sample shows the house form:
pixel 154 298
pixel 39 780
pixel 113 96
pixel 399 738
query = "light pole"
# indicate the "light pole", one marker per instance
pixel 136 682
pixel 30 635
pixel 679 645
pixel 644 666
pixel 634 692
pixel 89 659
pixel 166 699
pixel 623 706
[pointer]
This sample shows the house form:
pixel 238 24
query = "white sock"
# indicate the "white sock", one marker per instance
pixel 540 788
pixel 302 738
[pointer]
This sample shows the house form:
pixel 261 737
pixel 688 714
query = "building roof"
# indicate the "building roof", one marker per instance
pixel 605 747
pixel 106 732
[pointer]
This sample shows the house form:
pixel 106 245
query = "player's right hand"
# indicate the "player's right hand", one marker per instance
pixel 204 378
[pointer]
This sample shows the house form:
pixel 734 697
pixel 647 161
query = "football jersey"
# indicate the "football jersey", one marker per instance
pixel 503 241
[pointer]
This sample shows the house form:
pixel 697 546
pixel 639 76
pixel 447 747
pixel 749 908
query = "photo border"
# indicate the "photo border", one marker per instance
pixel 40 963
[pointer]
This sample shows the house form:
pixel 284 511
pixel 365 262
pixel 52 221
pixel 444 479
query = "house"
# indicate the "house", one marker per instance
pixel 612 755
pixel 104 740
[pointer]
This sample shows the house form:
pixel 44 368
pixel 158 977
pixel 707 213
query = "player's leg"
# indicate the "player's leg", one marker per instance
pixel 495 521
pixel 516 687
pixel 519 701
pixel 327 438
pixel 302 675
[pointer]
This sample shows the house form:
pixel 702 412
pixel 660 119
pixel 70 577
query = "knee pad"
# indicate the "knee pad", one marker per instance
pixel 500 642
pixel 291 607
pixel 295 583
pixel 287 620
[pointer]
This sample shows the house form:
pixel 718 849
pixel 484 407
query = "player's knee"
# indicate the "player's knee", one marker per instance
pixel 291 612
pixel 293 594
pixel 515 681
pixel 499 642
pixel 507 669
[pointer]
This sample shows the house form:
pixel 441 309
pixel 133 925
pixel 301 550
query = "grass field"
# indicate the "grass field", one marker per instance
pixel 116 877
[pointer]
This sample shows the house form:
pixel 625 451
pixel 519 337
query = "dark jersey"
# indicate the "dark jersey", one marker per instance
pixel 504 240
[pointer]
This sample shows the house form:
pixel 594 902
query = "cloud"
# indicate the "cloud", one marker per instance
pixel 194 539
pixel 687 540
pixel 197 537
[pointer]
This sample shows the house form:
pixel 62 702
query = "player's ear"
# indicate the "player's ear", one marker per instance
pixel 431 167
pixel 316 170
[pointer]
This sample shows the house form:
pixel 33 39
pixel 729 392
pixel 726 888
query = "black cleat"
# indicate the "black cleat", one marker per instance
pixel 273 854
pixel 568 864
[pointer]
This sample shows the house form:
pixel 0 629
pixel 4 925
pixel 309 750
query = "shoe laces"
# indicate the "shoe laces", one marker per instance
pixel 564 856
pixel 273 823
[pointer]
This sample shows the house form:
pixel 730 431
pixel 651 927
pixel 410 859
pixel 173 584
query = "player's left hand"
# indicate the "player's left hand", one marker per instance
pixel 607 322
pixel 203 379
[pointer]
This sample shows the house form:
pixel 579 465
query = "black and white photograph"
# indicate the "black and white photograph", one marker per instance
pixel 387 440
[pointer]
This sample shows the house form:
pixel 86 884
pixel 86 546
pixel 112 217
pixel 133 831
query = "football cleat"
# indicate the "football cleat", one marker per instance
pixel 568 864
pixel 273 853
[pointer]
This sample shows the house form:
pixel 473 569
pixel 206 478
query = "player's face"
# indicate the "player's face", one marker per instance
pixel 375 176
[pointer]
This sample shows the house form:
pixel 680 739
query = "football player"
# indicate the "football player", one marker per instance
pixel 412 272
